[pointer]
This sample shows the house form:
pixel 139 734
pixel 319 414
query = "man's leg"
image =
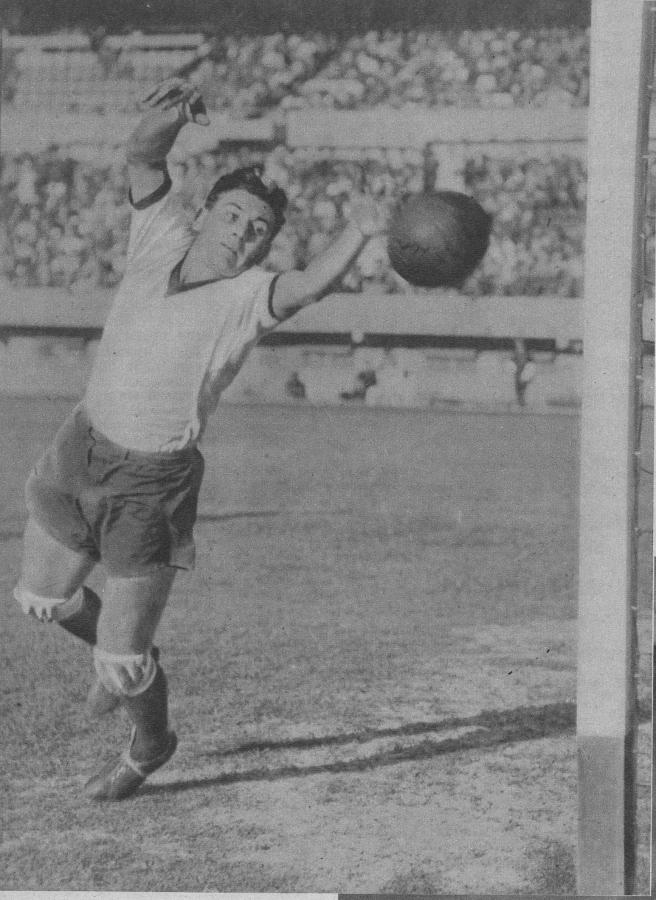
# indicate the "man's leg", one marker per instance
pixel 50 586
pixel 126 666
pixel 51 570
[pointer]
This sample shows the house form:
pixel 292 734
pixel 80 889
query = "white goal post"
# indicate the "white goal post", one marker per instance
pixel 621 62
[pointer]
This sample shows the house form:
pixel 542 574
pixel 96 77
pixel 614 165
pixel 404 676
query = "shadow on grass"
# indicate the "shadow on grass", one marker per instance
pixel 524 723
pixel 487 730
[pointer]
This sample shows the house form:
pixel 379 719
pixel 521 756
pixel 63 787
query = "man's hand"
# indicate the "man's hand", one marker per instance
pixel 168 108
pixel 367 215
pixel 176 92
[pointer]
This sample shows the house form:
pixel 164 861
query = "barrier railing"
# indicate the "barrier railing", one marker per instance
pixel 25 129
pixel 58 312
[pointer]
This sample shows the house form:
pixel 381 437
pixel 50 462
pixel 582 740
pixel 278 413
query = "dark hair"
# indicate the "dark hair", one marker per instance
pixel 250 179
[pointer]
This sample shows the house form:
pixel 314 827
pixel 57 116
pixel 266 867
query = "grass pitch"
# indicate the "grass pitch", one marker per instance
pixel 372 668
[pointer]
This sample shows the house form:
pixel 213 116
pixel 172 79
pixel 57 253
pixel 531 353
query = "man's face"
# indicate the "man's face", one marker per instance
pixel 236 232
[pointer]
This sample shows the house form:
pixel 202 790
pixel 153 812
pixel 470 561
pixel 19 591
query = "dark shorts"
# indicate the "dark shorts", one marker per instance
pixel 132 511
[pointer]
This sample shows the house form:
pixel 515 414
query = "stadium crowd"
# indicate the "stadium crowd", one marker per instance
pixel 538 208
pixel 401 69
pixel 255 75
pixel 65 221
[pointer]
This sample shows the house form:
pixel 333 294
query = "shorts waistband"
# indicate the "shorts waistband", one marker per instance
pixel 128 452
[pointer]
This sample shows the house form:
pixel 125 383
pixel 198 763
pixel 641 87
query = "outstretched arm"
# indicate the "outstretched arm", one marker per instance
pixel 170 106
pixel 296 289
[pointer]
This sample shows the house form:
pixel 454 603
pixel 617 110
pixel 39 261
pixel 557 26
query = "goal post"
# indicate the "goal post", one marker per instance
pixel 621 58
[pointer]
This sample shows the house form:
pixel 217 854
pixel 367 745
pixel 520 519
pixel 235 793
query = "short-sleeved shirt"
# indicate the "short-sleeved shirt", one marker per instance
pixel 165 358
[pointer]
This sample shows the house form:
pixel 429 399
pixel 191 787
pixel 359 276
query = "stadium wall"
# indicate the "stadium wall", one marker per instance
pixel 452 135
pixel 465 378
pixel 446 351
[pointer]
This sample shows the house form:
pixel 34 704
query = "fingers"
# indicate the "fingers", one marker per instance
pixel 367 215
pixel 177 92
pixel 166 91
pixel 198 111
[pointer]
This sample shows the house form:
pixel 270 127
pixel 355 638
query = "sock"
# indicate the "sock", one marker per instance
pixel 82 622
pixel 149 714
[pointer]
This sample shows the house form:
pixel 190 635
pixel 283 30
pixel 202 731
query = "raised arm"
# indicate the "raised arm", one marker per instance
pixel 296 289
pixel 170 106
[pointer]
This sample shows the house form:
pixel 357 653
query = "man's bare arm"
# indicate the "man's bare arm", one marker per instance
pixel 170 106
pixel 296 289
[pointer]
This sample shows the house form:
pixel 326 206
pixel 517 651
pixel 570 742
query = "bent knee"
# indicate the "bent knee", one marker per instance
pixel 125 674
pixel 46 609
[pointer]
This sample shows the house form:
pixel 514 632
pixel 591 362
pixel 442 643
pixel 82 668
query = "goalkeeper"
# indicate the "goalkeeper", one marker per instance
pixel 119 484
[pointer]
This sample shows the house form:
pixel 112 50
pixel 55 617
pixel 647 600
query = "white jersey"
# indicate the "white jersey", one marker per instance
pixel 164 359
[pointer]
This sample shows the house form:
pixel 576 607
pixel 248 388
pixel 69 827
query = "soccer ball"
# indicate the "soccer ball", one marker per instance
pixel 436 239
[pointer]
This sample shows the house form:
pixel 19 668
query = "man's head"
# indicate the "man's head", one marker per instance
pixel 238 223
